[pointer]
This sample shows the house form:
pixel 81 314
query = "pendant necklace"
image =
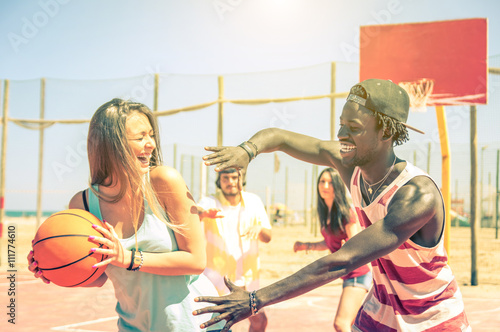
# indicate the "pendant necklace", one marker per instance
pixel 368 187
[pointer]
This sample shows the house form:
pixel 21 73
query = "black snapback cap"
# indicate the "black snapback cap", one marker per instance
pixel 386 97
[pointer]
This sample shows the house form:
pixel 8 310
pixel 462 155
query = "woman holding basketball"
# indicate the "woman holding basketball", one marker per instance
pixel 156 246
pixel 338 224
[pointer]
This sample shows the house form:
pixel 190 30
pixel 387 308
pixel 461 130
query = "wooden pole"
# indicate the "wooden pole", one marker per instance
pixel 429 158
pixel 182 166
pixel 489 198
pixel 273 189
pixel 474 201
pixel 332 101
pixel 312 200
pixel 175 156
pixel 481 210
pixel 207 179
pixel 457 223
pixel 316 217
pixel 203 182
pixel 496 195
pixel 192 173
pixel 157 84
pixel 220 119
pixel 268 206
pixel 286 196
pixel 445 172
pixel 305 199
pixel 5 121
pixel 40 156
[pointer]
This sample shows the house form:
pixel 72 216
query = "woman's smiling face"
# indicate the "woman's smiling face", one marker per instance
pixel 140 135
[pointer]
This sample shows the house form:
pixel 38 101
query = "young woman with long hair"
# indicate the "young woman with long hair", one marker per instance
pixel 339 223
pixel 156 246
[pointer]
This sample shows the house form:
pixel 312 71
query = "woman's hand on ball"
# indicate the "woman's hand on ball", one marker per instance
pixel 114 251
pixel 33 267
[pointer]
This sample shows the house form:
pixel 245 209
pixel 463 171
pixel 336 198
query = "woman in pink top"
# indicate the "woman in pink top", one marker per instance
pixel 338 224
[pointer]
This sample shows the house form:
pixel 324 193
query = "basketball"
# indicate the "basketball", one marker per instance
pixel 62 249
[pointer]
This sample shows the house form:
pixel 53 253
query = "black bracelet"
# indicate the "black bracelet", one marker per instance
pixel 255 146
pixel 248 150
pixel 131 260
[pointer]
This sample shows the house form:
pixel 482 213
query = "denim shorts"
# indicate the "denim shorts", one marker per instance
pixel 364 281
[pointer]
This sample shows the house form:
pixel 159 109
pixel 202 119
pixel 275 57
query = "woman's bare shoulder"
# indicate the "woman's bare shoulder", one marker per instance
pixel 164 175
pixel 76 201
pixel 167 179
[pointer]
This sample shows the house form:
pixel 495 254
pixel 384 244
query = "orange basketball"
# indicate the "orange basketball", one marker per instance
pixel 62 249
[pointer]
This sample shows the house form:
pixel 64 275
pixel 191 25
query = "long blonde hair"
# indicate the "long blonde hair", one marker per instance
pixel 111 160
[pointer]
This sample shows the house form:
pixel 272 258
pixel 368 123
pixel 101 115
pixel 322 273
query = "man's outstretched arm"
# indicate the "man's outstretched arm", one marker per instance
pixel 302 147
pixel 411 210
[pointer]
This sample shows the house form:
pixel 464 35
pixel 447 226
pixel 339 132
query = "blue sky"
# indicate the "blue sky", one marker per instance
pixel 106 40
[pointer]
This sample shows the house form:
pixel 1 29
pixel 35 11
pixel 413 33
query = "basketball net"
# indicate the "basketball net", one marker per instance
pixel 419 92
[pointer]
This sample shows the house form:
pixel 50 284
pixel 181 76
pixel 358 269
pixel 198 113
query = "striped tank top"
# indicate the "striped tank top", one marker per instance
pixel 413 287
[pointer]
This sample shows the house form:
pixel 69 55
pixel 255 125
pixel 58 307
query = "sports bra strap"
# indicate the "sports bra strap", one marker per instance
pixel 84 197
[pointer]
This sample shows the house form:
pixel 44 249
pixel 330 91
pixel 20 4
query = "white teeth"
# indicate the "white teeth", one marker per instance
pixel 346 147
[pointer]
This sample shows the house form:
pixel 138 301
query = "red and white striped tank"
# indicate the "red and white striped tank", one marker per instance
pixel 413 287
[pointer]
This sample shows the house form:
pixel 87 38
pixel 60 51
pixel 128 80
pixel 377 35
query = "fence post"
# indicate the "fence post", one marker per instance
pixel 474 202
pixel 5 121
pixel 4 155
pixel 192 173
pixel 332 101
pixel 175 156
pixel 220 119
pixel 305 199
pixel 203 182
pixel 497 192
pixel 155 101
pixel 40 156
pixel 429 158
pixel 285 221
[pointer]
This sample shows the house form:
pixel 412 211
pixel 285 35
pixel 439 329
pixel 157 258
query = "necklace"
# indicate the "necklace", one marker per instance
pixel 368 187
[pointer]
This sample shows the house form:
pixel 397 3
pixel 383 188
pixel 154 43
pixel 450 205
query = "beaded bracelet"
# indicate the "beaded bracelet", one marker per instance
pixel 134 260
pixel 248 150
pixel 253 303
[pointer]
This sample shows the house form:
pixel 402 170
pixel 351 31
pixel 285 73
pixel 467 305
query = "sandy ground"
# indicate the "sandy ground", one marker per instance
pixel 278 261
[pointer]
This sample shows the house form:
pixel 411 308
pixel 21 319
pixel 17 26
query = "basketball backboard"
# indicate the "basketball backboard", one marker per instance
pixel 448 59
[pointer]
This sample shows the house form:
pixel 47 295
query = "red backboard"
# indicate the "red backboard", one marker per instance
pixel 452 54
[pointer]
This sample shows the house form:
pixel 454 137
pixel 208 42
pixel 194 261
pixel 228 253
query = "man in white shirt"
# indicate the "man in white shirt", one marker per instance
pixel 234 222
